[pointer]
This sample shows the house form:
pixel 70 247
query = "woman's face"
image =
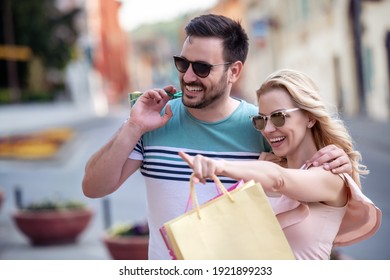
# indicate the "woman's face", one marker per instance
pixel 290 137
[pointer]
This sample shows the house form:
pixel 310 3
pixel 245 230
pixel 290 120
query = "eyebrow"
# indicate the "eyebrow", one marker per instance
pixel 276 111
pixel 192 61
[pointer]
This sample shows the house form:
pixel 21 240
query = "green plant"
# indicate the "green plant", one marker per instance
pixel 46 205
pixel 128 229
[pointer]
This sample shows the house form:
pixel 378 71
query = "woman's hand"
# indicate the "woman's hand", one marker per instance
pixel 203 167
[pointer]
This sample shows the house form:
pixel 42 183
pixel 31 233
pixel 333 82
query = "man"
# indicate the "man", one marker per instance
pixel 207 120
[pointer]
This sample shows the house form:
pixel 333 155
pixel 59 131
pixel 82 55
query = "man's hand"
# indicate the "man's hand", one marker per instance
pixel 146 112
pixel 332 158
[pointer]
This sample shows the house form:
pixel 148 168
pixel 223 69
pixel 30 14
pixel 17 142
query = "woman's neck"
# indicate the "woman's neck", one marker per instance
pixel 305 152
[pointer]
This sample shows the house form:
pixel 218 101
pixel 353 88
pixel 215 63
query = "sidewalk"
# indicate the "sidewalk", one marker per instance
pixel 63 175
pixel 370 132
pixel 29 117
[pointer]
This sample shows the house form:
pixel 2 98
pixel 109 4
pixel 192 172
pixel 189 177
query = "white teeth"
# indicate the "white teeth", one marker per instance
pixel 192 88
pixel 277 139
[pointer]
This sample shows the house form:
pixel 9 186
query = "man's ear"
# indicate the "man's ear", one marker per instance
pixel 235 70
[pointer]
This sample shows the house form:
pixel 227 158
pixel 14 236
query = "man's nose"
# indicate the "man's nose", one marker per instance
pixel 189 76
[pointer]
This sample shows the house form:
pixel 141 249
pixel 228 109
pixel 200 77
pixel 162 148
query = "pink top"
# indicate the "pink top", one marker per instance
pixel 312 229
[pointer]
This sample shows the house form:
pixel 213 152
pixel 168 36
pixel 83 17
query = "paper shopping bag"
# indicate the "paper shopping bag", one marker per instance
pixel 239 224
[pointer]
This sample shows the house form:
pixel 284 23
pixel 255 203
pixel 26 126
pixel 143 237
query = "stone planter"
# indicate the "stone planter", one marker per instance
pixel 127 247
pixel 52 226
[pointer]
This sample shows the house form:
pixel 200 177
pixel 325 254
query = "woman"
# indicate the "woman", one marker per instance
pixel 296 124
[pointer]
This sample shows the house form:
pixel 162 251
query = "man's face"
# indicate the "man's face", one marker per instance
pixel 200 92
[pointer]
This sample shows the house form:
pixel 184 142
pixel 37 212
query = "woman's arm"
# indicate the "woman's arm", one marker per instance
pixel 315 184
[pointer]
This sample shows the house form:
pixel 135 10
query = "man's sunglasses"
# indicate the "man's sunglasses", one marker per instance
pixel 278 118
pixel 201 69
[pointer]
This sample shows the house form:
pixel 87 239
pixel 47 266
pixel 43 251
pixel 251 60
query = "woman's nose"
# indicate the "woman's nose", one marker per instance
pixel 269 126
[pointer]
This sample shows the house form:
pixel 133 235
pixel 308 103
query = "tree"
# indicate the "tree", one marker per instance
pixel 40 25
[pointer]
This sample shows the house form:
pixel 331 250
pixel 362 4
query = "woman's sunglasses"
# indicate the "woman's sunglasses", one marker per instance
pixel 201 69
pixel 278 118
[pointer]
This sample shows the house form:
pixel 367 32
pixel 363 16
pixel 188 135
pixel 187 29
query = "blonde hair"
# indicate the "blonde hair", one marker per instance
pixel 327 129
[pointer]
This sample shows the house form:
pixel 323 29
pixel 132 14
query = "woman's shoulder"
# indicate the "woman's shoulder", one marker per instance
pixel 362 218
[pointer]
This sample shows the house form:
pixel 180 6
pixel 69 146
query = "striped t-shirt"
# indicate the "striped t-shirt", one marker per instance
pixel 167 175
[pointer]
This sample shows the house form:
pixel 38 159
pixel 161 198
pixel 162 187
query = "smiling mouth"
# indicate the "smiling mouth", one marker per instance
pixel 194 88
pixel 277 139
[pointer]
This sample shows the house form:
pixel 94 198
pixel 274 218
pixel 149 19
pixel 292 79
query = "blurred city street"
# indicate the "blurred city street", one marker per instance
pixel 67 66
pixel 61 177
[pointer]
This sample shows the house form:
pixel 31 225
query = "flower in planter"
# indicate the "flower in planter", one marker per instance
pixel 51 205
pixel 128 241
pixel 128 229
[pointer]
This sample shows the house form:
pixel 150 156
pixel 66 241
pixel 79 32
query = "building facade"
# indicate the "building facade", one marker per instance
pixel 343 45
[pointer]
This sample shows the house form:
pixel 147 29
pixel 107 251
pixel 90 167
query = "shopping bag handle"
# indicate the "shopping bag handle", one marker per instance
pixel 194 198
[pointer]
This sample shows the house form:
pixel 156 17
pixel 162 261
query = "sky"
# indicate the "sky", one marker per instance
pixel 134 13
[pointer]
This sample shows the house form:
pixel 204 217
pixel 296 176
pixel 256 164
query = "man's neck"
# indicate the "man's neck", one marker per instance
pixel 215 112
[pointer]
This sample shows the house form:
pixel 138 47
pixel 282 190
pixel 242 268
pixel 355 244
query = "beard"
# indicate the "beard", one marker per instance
pixel 210 96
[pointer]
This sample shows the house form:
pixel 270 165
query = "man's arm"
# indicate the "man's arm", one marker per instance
pixel 332 158
pixel 109 167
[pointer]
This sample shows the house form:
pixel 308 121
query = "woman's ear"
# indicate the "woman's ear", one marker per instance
pixel 311 123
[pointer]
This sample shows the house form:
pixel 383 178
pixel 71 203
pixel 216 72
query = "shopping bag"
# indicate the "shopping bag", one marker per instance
pixel 236 225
